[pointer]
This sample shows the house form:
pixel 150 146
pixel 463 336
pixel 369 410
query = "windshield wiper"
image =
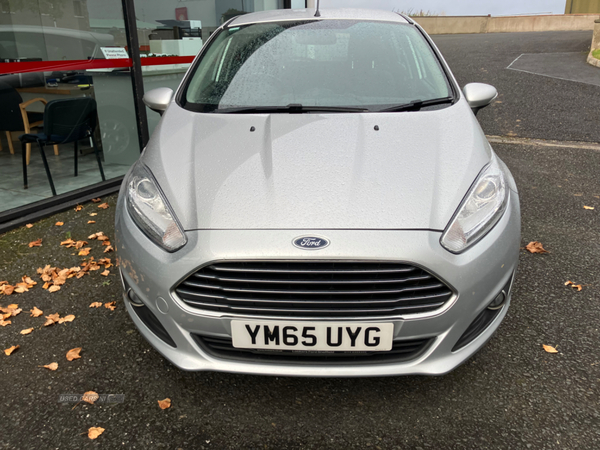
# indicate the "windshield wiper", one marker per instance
pixel 294 108
pixel 416 105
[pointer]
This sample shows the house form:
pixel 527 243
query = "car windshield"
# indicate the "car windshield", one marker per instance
pixel 364 65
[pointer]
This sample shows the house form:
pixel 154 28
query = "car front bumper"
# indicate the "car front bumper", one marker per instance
pixel 476 276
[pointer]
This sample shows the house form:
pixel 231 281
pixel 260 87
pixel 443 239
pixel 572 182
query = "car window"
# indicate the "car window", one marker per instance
pixel 341 63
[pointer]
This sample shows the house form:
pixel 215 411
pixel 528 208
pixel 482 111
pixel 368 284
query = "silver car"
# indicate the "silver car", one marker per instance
pixel 318 200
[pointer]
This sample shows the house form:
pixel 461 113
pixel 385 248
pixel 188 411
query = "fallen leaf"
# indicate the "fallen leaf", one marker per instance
pixel 549 349
pixel 54 288
pixel 13 310
pixel 73 354
pixel 90 397
pixel 78 208
pixel 96 200
pixel 106 242
pixel 85 251
pixel 105 273
pixel 35 312
pixel 68 243
pixel 26 331
pixel 109 248
pixel 30 283
pixel 93 214
pixel 96 305
pixel 536 247
pixel 51 366
pixel 91 221
pixel 52 319
pixel 111 305
pixel 4 323
pixel 68 318
pixel 7 289
pixel 103 238
pixel 36 243
pixel 29 225
pixel 59 224
pixel 80 244
pixel 10 350
pixel 588 207
pixel 103 205
pixel 94 432
pixel 164 404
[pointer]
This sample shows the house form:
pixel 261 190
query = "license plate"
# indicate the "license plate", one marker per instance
pixel 313 336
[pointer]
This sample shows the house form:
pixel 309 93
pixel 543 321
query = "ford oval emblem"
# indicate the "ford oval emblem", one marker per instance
pixel 310 242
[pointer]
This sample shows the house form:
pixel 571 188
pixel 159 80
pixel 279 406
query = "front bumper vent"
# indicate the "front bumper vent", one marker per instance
pixel 402 351
pixel 314 289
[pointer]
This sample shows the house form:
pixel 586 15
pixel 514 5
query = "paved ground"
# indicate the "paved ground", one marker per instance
pixel 532 106
pixel 510 395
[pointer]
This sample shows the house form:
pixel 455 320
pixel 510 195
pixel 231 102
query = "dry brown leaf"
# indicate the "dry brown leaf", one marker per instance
pixel 59 224
pixel 68 318
pixel 54 288
pixel 35 312
pixel 7 289
pixel 549 349
pixel 68 243
pixel 4 323
pixel 94 432
pixel 36 243
pixel 103 238
pixel 78 208
pixel 80 244
pixel 111 305
pixel 52 319
pixel 51 366
pixel 588 207
pixel 91 221
pixel 93 214
pixel 73 354
pixel 90 397
pixel 30 283
pixel 164 404
pixel 96 305
pixel 105 273
pixel 536 247
pixel 11 350
pixel 85 251
pixel 20 288
pixel 27 331
pixel 29 225
pixel 109 248
pixel 103 205
pixel 96 200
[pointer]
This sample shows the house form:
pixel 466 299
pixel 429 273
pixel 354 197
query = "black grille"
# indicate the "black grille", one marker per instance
pixel 314 289
pixel 401 351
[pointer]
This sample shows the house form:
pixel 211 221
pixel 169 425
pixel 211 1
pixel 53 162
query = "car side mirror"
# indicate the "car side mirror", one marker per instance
pixel 479 95
pixel 158 99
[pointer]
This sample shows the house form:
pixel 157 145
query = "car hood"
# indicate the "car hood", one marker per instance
pixel 317 171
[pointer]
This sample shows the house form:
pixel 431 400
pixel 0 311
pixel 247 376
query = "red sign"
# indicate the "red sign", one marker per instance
pixel 181 13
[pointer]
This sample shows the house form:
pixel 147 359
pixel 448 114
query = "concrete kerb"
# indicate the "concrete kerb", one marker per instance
pixel 595 44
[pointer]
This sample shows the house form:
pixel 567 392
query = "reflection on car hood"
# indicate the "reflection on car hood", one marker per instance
pixel 317 171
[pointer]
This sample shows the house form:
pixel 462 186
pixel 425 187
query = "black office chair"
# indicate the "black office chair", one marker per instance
pixel 65 121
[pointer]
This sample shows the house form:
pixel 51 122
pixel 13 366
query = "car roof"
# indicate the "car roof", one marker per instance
pixel 309 14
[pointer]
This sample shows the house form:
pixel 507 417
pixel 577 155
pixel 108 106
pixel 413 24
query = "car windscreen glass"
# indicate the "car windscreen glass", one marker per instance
pixel 326 63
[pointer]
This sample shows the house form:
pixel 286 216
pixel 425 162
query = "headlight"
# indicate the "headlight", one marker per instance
pixel 480 210
pixel 150 210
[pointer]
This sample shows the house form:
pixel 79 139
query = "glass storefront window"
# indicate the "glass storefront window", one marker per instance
pixel 69 49
pixel 48 52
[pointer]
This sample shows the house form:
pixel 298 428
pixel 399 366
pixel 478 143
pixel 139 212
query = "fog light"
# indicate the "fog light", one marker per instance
pixel 498 301
pixel 133 298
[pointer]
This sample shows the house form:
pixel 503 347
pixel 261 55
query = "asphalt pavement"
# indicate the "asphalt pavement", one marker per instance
pixel 512 394
pixel 530 105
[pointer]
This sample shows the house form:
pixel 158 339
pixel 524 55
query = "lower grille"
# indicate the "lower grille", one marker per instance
pixel 402 351
pixel 314 289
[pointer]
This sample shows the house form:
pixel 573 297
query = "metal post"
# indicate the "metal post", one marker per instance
pixel 137 82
